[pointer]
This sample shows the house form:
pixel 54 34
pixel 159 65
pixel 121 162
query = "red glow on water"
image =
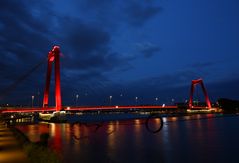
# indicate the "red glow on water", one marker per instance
pixel 57 137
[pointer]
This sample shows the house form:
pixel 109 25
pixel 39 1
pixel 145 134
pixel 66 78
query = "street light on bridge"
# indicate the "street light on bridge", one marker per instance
pixel 136 100
pixel 156 100
pixel 173 101
pixel 110 99
pixel 77 97
pixel 33 100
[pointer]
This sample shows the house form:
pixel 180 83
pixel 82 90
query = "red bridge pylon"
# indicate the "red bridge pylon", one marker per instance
pixel 53 56
pixel 194 83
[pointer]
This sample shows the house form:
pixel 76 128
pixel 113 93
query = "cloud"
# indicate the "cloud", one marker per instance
pixel 23 34
pixel 139 12
pixel 176 79
pixel 88 47
pixel 224 89
pixel 203 64
pixel 97 5
pixel 23 38
pixel 84 38
pixel 148 49
pixel 134 13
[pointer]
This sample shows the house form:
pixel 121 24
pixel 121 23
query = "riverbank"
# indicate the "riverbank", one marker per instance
pixel 16 147
pixel 37 152
pixel 10 149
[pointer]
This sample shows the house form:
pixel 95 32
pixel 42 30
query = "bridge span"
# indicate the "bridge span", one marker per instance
pixel 96 108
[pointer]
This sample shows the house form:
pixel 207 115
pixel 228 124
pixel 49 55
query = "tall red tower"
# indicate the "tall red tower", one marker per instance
pixel 53 56
pixel 194 83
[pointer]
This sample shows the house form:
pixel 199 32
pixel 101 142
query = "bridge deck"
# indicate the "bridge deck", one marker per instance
pixel 92 108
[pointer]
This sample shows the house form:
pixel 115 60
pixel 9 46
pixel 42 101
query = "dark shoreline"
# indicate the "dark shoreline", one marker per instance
pixel 36 151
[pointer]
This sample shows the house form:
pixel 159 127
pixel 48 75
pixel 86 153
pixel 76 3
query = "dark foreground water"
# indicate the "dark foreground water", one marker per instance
pixel 199 138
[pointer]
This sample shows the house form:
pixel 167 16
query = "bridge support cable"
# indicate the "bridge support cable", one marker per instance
pixel 14 85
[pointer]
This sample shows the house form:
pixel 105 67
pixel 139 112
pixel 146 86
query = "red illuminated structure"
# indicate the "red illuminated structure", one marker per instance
pixel 53 56
pixel 194 83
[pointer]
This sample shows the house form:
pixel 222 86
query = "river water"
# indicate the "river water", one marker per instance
pixel 197 138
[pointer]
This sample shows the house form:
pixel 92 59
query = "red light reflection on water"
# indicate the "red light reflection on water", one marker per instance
pixel 56 137
pixel 33 132
pixel 129 141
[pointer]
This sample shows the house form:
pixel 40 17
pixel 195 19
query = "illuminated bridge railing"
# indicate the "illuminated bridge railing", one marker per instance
pixel 84 108
pixel 94 108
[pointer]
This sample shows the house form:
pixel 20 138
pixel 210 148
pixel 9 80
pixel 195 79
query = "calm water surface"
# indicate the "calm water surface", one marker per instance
pixel 198 138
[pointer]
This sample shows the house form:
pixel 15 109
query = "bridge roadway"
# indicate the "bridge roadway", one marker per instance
pixel 90 108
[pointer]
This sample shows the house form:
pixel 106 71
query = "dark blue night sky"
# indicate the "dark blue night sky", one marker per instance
pixel 130 48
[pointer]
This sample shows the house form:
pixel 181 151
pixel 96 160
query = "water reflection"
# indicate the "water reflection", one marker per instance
pixel 182 139
pixel 52 129
pixel 111 141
